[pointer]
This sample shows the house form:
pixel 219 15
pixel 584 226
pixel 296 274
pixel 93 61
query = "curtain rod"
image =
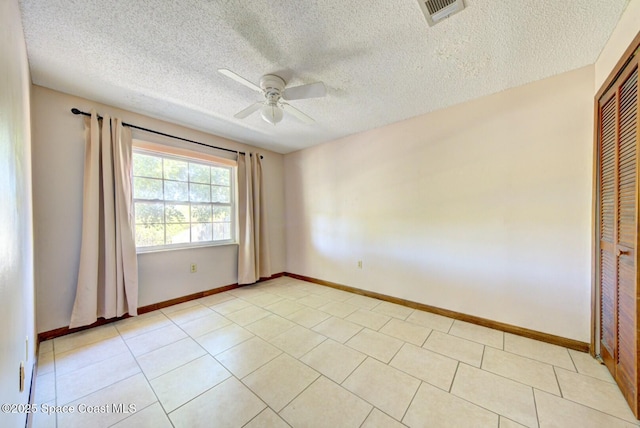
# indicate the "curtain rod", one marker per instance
pixel 76 111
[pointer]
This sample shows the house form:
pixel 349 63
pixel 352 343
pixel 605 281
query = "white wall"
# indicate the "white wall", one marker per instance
pixel 483 208
pixel 58 153
pixel 622 36
pixel 16 238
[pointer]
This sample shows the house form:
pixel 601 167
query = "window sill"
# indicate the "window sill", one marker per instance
pixel 179 247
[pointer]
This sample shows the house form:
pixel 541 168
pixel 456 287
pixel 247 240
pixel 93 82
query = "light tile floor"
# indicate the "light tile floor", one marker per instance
pixel 290 353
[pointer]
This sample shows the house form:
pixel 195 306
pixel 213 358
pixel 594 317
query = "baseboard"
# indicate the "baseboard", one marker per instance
pixel 508 328
pixel 520 331
pixel 63 331
pixel 178 300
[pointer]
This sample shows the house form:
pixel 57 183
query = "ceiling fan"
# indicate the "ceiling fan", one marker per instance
pixel 275 94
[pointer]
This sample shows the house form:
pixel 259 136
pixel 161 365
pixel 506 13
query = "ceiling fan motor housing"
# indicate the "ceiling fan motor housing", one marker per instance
pixel 272 86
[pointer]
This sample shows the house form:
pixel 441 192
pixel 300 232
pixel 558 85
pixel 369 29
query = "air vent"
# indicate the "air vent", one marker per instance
pixel 437 10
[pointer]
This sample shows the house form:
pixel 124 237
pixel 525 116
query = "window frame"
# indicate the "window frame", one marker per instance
pixel 175 153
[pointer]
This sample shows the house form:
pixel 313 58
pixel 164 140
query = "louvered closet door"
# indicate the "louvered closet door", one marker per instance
pixel 618 231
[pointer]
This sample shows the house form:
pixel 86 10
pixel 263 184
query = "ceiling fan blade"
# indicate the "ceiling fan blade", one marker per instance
pixel 239 79
pixel 246 112
pixel 297 113
pixel 312 90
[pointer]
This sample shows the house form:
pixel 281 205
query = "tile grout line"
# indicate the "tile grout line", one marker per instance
pixel 313 348
pixel 369 355
pixel 555 373
pixel 261 412
pixel 84 345
pixel 384 325
pixel 589 376
pixel 382 411
pixel 376 305
pixel 474 341
pixel 413 376
pixel 137 411
pixel 353 371
pixel 582 404
pixel 532 359
pixel 471 402
pixel 453 379
pixel 636 422
pixel 359 396
pixel 177 367
pixel 101 361
pixel 278 333
pixel 503 377
pixel 425 341
pixel 447 356
pixel 508 378
pixel 204 392
pixel 147 380
pixel 411 401
pixel 234 345
pixel 573 362
pixel 154 330
pixel 364 308
pixel 98 390
pixel 320 375
pixel 254 370
pixel 535 405
pixel 190 308
pixel 135 357
pixel 367 326
pixel 426 338
pixel 195 338
pixel 452 325
pixel 396 353
pixel 328 337
pixel 367 417
pixel 509 419
pixel 143 332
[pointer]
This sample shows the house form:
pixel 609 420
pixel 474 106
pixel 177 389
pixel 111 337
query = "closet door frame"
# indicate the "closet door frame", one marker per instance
pixel 606 87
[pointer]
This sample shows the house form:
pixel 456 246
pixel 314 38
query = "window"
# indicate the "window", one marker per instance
pixel 181 201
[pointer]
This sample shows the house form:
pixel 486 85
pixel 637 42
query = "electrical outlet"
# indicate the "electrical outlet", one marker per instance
pixel 194 268
pixel 359 264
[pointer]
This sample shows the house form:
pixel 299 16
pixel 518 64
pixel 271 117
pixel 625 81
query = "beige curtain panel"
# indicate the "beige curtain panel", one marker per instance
pixel 108 274
pixel 254 261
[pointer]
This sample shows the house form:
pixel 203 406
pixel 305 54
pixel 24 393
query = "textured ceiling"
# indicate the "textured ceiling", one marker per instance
pixel 379 60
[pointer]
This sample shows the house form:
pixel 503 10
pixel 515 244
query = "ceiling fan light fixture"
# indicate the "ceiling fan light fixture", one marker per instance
pixel 272 88
pixel 271 113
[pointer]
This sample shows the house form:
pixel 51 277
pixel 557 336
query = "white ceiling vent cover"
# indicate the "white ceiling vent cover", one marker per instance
pixel 437 10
